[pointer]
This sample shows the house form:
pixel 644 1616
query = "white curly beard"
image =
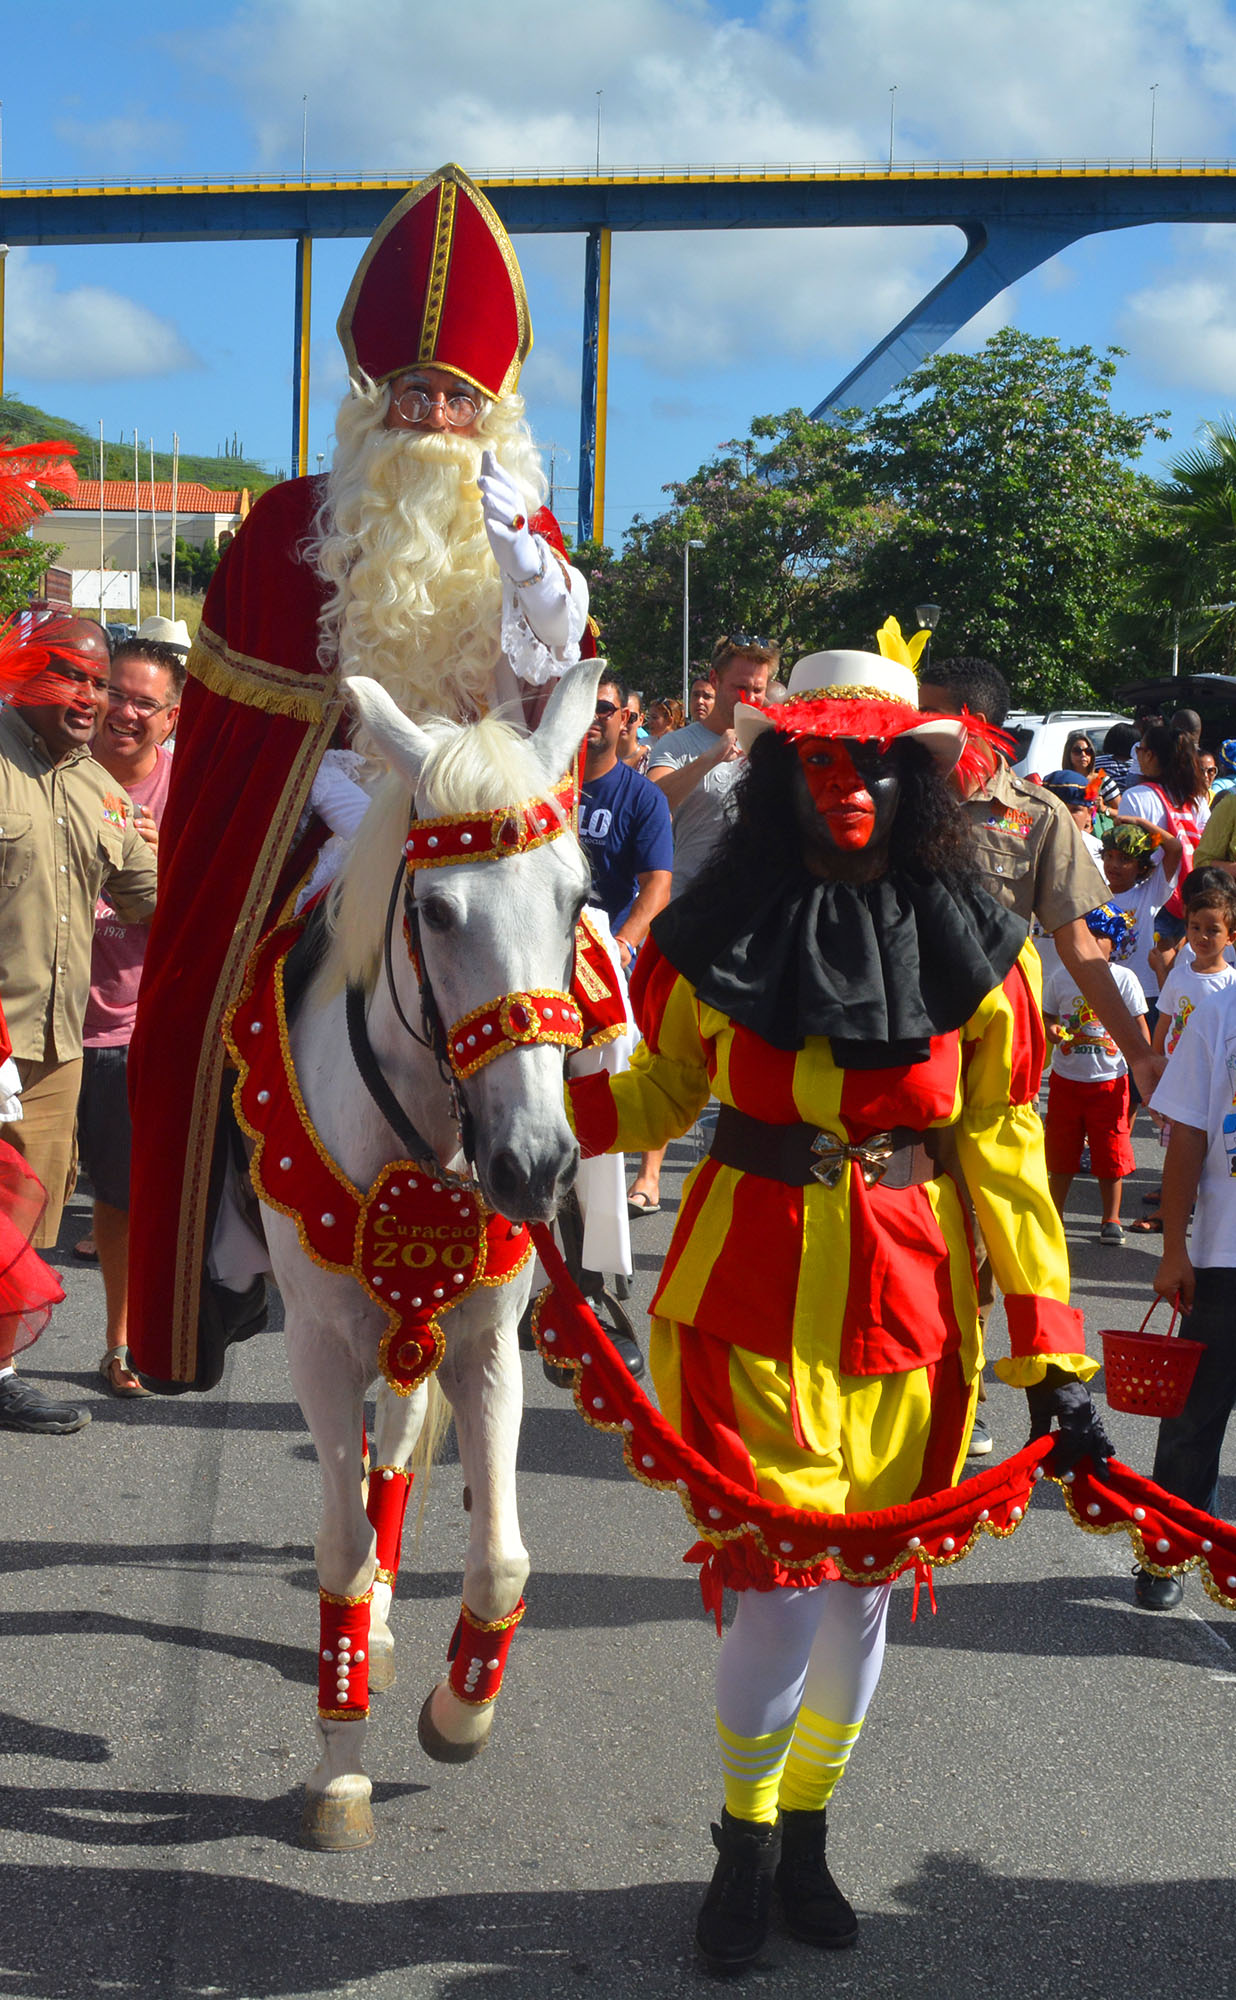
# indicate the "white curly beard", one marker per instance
pixel 417 595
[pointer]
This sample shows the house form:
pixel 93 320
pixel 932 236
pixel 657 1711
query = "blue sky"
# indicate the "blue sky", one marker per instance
pixel 706 330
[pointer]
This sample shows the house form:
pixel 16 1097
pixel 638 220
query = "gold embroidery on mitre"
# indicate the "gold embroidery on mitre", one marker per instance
pixel 435 294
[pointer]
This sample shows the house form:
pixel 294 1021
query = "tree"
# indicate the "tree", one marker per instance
pixel 1013 501
pixel 1184 568
pixel 778 515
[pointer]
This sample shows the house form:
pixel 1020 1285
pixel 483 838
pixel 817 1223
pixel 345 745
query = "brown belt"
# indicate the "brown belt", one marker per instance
pixel 797 1154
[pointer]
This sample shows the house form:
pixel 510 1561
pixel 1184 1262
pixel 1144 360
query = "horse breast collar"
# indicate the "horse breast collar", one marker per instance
pixel 415 1244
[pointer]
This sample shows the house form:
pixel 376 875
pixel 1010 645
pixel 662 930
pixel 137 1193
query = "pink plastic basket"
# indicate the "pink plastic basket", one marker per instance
pixel 1150 1374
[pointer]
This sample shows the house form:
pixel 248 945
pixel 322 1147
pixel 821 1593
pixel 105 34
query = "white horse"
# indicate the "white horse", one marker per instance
pixel 487 928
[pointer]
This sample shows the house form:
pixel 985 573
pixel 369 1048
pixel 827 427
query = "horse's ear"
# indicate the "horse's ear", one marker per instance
pixel 404 746
pixel 571 708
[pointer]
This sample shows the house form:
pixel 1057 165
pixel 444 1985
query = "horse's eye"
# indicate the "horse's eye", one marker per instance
pixel 437 913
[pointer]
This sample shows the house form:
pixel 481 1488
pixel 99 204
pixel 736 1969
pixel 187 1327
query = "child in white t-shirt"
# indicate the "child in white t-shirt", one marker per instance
pixel 1088 1095
pixel 1197 1092
pixel 1210 927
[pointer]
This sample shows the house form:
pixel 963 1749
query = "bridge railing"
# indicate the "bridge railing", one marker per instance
pixel 780 171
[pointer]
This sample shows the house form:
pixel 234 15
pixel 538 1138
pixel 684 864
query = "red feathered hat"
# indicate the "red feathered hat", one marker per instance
pixel 439 287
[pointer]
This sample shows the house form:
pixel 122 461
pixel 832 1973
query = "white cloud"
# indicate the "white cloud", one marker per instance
pixel 1184 331
pixel 113 144
pixel 86 334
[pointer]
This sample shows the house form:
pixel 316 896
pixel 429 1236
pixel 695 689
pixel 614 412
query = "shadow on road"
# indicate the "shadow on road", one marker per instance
pixel 962 1931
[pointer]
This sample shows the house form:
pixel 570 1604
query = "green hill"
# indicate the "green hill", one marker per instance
pixel 22 423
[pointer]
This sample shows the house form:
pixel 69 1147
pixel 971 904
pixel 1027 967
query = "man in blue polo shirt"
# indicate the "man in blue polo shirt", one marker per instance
pixel 624 824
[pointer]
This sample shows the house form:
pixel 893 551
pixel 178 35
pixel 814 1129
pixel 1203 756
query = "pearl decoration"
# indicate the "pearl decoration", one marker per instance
pixel 471 1041
pixel 286 1162
pixel 598 1402
pixel 1207 1547
pixel 627 1425
pixel 681 1484
pixel 948 1543
pixel 439 1291
pixel 1139 1513
pixel 432 840
pixel 491 1666
pixel 868 1562
pixel 1016 1514
pixel 549 1337
pixel 328 1221
pixel 586 1359
pixel 1066 1478
pixel 465 840
pixel 415 1305
pixel 787 1548
pixel 914 1542
pixel 487 1027
pixel 396 1295
pixel 327 1654
pixel 647 1462
pixel 387 1474
pixel 714 1513
pixel 396 1192
pixel 378 1278
pixel 255 1027
pixel 458 1278
pixel 1162 1545
pixel 833 1551
pixel 359 1653
pixel 985 1515
pixel 1094 1510
pixel 263 1097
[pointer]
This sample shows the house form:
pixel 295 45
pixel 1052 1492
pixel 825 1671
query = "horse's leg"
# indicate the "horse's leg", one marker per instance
pixel 482 1379
pixel 329 1384
pixel 397 1424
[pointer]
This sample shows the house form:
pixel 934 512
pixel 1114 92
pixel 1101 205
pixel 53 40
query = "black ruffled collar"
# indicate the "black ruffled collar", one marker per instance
pixel 879 967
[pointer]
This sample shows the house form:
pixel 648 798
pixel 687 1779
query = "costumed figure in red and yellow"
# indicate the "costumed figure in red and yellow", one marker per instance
pixel 423 559
pixel 867 1016
pixel 29 1288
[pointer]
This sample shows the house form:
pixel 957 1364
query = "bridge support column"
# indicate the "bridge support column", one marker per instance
pixel 300 357
pixel 593 399
pixel 997 254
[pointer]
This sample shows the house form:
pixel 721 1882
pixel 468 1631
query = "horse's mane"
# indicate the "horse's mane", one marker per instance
pixel 473 767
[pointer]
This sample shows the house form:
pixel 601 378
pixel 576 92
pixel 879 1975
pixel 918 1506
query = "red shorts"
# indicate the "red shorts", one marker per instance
pixel 1095 1114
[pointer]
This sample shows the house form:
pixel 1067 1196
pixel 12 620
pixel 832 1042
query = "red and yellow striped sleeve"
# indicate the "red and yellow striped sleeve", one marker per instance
pixel 1000 1150
pixel 668 1084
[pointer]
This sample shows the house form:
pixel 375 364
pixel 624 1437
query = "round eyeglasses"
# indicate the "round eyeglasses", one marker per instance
pixel 460 409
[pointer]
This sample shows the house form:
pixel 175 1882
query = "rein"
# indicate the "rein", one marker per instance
pixel 514 1020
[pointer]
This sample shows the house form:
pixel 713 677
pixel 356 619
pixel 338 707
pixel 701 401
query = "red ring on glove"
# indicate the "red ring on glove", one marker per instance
pixel 518 523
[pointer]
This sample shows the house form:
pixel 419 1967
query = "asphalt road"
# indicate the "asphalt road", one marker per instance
pixel 1041 1800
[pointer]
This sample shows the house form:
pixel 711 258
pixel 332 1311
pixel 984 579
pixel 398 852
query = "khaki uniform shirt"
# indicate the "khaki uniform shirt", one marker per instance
pixel 1030 854
pixel 1218 841
pixel 65 830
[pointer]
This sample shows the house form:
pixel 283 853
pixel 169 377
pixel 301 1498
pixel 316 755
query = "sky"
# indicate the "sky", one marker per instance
pixel 707 329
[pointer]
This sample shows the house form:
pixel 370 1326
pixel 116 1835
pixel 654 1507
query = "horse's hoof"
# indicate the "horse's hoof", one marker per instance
pixel 335 1826
pixel 440 1747
pixel 381 1668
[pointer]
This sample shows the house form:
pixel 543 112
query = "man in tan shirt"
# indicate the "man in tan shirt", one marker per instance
pixel 66 828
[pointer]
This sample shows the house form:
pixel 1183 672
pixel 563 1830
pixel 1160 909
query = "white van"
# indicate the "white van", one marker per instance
pixel 1039 740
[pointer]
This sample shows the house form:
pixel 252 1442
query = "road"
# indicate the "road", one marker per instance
pixel 1041 1800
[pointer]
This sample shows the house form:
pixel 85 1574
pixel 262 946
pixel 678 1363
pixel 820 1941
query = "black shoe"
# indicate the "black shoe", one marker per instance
pixel 733 1919
pixel 815 1909
pixel 23 1408
pixel 628 1350
pixel 980 1440
pixel 1157 1593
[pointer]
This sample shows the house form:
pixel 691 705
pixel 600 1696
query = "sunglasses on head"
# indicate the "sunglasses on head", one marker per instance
pixel 743 642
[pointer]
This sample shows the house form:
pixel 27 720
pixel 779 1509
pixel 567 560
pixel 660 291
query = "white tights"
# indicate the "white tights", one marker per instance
pixel 824 1646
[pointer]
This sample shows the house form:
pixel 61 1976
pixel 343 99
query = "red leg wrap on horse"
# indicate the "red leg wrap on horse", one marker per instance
pixel 477 1654
pixel 389 1487
pixel 343 1657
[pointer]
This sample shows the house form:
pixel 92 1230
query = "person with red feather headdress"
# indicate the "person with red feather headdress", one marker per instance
pixel 867 1015
pixel 423 559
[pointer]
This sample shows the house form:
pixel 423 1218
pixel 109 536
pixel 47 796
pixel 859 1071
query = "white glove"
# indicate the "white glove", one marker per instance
pixel 519 554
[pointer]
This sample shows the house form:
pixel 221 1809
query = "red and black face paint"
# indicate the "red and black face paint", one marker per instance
pixel 853 787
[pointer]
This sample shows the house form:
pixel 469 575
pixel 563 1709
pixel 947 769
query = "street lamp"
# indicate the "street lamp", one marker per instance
pixel 686 622
pixel 928 615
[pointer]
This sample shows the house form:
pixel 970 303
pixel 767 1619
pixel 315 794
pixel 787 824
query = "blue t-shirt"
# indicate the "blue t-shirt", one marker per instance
pixel 625 828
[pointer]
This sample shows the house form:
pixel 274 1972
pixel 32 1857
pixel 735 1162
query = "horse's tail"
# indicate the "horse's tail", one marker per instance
pixel 428 1444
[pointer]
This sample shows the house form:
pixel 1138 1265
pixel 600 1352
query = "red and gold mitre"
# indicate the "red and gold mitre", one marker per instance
pixel 439 287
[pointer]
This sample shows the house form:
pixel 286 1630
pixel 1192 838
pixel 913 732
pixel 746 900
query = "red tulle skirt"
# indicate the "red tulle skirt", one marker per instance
pixel 29 1288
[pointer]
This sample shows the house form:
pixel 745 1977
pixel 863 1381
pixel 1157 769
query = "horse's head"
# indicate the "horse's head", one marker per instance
pixel 497 881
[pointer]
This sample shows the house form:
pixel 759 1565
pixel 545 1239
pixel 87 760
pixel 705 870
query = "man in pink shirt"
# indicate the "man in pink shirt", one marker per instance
pixel 143 701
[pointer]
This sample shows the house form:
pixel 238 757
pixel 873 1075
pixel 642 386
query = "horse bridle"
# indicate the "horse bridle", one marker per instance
pixel 514 1020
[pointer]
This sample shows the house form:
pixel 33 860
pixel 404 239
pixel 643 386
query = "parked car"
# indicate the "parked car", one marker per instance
pixel 1212 695
pixel 1039 740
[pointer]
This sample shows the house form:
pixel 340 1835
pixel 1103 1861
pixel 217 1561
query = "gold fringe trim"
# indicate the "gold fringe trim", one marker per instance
pixel 1197 1561
pixel 260 684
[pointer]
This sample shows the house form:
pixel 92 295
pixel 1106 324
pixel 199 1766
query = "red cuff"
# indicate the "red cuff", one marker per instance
pixel 593 1115
pixel 1043 1326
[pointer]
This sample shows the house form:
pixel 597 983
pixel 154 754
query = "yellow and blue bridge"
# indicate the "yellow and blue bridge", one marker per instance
pixel 1012 215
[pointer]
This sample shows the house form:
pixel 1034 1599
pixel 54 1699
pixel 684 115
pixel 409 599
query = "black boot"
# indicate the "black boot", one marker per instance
pixel 733 1918
pixel 815 1909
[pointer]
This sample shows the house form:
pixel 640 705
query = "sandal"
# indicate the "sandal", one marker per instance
pixel 85 1249
pixel 641 1204
pixel 1146 1225
pixel 119 1357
